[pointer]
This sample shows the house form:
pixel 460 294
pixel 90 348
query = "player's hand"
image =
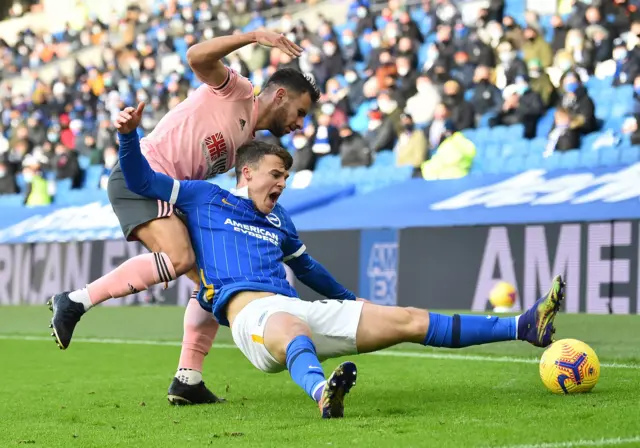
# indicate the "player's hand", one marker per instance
pixel 129 119
pixel 277 40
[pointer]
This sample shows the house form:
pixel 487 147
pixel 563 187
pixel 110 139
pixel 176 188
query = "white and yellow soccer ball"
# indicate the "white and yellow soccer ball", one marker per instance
pixel 569 366
pixel 502 297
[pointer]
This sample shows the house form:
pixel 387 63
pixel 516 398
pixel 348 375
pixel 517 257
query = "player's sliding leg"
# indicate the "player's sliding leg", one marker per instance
pixel 200 329
pixel 171 256
pixel 382 327
pixel 288 340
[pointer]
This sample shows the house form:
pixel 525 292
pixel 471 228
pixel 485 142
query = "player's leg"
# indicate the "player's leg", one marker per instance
pixel 162 232
pixel 381 327
pixel 200 329
pixel 273 335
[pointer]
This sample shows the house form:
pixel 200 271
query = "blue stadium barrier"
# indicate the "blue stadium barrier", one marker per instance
pixel 552 162
pixel 570 159
pixel 589 158
pixel 514 164
pixel 609 156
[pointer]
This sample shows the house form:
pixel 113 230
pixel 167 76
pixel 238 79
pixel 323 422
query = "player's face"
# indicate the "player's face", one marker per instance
pixel 289 116
pixel 268 181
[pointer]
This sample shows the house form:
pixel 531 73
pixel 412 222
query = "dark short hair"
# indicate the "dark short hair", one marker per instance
pixel 251 153
pixel 294 81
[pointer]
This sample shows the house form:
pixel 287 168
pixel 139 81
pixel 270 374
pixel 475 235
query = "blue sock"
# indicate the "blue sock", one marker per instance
pixel 303 365
pixel 462 331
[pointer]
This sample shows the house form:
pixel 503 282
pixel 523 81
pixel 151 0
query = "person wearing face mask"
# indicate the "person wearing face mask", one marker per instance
pixel 421 106
pixel 355 93
pixel 510 66
pixel 411 147
pixel 462 112
pixel 366 21
pixel 303 156
pixel 513 32
pixel 350 48
pixel 110 157
pixel 406 79
pixel 445 45
pixel 463 70
pixel 562 138
pixel 521 105
pixel 37 188
pixel 627 64
pixel 383 129
pixel 354 151
pixel 600 41
pixel 540 83
pixel 578 103
pixel 535 47
pixel 559 33
pixel 8 183
pixel 487 98
pixel 332 58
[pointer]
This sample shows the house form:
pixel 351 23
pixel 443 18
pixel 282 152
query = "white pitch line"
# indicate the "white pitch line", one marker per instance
pixel 392 353
pixel 579 443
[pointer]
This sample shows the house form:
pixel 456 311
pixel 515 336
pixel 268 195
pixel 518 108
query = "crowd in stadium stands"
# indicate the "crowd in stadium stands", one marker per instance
pixel 414 82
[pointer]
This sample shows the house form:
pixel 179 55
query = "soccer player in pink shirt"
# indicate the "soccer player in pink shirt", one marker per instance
pixel 195 140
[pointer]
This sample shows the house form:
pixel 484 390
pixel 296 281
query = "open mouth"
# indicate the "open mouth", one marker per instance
pixel 274 197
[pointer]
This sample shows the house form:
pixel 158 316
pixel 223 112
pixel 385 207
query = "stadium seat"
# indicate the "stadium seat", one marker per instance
pixel 552 162
pixel 538 145
pixel 545 124
pixel 515 147
pixel 589 158
pixel 589 140
pixel 11 200
pixel 500 134
pixel 328 163
pixel 514 164
pixel 385 158
pixel 492 151
pixel 630 155
pixel 20 181
pixel 533 161
pixel 570 160
pixel 63 186
pixel 495 165
pixel 516 130
pixel 92 176
pixel 609 156
pixel 84 162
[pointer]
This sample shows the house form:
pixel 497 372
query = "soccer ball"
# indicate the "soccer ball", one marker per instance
pixel 569 366
pixel 502 297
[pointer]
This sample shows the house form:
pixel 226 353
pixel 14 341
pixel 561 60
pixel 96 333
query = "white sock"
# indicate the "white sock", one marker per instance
pixel 189 376
pixel 81 296
pixel 517 319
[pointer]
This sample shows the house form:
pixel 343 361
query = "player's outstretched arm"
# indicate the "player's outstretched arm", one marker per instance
pixel 205 58
pixel 138 175
pixel 318 278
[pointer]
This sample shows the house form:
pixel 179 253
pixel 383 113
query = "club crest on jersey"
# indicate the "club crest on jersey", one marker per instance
pixel 215 152
pixel 273 219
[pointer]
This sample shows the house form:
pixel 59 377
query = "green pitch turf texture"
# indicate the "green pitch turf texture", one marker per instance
pixel 109 390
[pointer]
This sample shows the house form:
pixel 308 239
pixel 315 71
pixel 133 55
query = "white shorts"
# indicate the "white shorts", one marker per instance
pixel 333 326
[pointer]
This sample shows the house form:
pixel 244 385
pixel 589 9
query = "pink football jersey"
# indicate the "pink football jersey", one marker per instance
pixel 198 138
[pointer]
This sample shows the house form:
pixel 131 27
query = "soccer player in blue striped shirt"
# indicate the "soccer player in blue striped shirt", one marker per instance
pixel 242 237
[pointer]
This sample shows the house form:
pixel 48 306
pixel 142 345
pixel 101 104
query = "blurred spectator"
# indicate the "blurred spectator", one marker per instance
pixel 67 166
pixel 521 105
pixel 463 70
pixel 630 127
pixel 8 183
pixel 355 93
pixel 435 132
pixel 600 42
pixel 510 65
pixel 578 104
pixel 304 158
pixel 383 129
pixel 562 137
pixel 627 63
pixel 540 83
pixel 411 147
pixel 421 106
pixel 405 82
pixel 327 138
pixel 512 32
pixel 446 13
pixel 353 148
pixel 580 49
pixel 462 112
pixel 37 188
pixel 577 18
pixel 559 33
pixel 453 157
pixel 487 98
pixel 535 47
pixel 110 159
pixel 495 10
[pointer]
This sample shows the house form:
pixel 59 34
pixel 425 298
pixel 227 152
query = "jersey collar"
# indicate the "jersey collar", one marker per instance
pixel 240 192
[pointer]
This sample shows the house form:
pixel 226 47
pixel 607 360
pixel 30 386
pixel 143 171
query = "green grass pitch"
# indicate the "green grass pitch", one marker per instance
pixel 112 392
